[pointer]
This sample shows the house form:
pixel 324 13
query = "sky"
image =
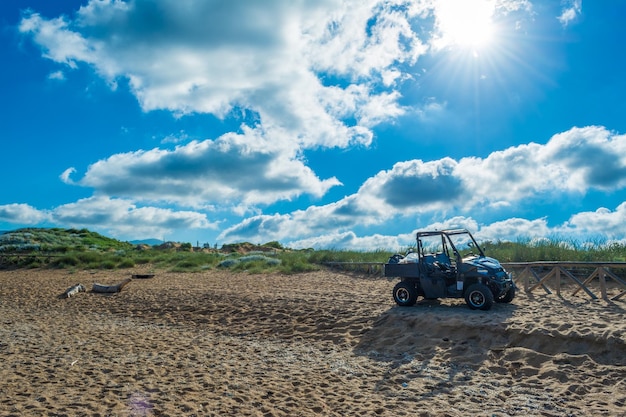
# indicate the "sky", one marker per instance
pixel 334 124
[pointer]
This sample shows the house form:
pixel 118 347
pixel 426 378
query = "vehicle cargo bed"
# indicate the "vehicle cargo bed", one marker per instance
pixel 409 270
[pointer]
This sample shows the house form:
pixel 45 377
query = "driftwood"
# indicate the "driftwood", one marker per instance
pixel 110 288
pixel 143 276
pixel 73 290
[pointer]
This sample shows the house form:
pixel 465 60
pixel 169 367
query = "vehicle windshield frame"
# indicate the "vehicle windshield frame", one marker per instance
pixel 448 239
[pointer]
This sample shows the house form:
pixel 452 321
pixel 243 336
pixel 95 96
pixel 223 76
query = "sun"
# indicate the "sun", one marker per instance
pixel 464 23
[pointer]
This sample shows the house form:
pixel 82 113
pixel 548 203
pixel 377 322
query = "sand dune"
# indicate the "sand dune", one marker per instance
pixel 324 343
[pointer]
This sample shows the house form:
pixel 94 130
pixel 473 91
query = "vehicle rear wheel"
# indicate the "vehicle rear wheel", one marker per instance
pixel 479 297
pixel 404 294
pixel 508 297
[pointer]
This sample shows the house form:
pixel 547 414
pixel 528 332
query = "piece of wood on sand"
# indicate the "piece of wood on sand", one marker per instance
pixel 73 290
pixel 110 288
pixel 143 276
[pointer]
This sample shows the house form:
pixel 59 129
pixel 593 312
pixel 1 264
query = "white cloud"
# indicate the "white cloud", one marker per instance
pixel 379 108
pixel 315 220
pixel 602 222
pixel 232 170
pixel 596 227
pixel 122 218
pixel 457 222
pixel 361 38
pixel 212 57
pixel 570 11
pixel 570 164
pixel 273 58
pixel 22 214
pixel 414 186
pixel 313 74
pixel 590 157
pixel 60 43
pixel 65 175
pixel 600 226
pixel 181 137
pixel 56 75
pixel 350 241
pixel 514 229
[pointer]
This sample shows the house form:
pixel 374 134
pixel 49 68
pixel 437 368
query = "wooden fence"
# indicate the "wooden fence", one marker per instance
pixel 533 275
pixel 584 276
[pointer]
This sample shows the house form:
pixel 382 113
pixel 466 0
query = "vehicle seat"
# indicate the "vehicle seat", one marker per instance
pixel 429 259
pixel 443 258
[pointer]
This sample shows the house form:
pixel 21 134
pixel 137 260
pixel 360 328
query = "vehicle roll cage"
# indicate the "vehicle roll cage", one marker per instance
pixel 446 240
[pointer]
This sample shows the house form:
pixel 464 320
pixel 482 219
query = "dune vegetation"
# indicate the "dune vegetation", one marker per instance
pixel 83 249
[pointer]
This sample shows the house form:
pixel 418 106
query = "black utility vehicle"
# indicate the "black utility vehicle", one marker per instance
pixel 449 264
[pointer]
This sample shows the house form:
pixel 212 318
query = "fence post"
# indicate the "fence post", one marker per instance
pixel 602 279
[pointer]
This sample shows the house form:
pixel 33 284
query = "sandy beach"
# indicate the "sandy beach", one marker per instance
pixel 323 343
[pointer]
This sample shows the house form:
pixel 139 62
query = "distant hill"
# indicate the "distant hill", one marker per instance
pixel 150 242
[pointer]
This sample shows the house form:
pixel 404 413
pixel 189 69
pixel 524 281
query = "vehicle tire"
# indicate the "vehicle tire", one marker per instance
pixel 479 297
pixel 508 297
pixel 404 294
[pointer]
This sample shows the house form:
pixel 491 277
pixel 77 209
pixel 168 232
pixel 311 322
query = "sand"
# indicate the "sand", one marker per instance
pixel 322 343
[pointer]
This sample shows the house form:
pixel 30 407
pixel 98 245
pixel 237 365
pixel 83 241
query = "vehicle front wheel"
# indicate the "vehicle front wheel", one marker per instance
pixel 508 297
pixel 479 297
pixel 404 294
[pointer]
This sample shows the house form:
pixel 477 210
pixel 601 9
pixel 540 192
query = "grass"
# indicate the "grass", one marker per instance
pixel 555 250
pixel 73 249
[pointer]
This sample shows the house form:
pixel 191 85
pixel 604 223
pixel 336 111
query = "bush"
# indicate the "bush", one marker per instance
pixel 143 260
pixel 259 258
pixel 89 257
pixel 228 263
pixel 299 267
pixel 108 265
pixel 274 244
pixel 66 261
pixel 186 264
pixel 126 263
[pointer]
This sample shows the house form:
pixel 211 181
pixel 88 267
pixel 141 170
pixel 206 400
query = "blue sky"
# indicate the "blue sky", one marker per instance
pixel 331 124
